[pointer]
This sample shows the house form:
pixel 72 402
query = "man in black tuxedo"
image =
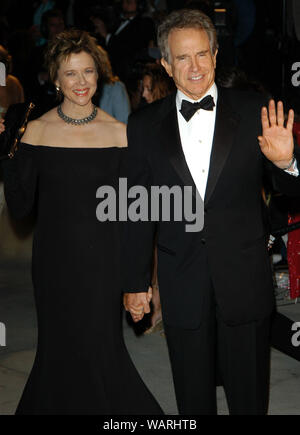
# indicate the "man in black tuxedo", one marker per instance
pixel 133 34
pixel 215 284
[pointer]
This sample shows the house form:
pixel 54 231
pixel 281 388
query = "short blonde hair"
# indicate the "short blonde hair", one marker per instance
pixel 70 42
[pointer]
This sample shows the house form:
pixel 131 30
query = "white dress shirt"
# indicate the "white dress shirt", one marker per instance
pixel 197 138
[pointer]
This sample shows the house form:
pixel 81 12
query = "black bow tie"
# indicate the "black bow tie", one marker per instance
pixel 188 109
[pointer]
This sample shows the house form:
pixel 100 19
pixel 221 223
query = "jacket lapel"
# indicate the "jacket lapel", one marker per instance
pixel 169 132
pixel 225 130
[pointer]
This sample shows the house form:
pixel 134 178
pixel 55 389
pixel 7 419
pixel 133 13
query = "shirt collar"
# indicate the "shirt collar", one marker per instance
pixel 213 91
pixel 123 18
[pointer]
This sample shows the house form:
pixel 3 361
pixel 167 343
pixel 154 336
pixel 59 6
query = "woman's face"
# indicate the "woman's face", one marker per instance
pixel 147 89
pixel 77 77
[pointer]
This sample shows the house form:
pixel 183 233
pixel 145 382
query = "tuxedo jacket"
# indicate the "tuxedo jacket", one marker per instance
pixel 230 253
pixel 125 47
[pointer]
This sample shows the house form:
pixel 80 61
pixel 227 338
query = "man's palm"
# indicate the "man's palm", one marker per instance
pixel 276 141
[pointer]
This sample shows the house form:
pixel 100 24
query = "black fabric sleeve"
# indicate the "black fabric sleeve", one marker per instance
pixel 20 181
pixel 138 240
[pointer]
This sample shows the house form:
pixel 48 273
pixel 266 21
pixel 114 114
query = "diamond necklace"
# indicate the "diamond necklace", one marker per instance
pixel 74 121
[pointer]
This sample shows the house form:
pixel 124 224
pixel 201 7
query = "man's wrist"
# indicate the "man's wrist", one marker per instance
pixel 285 164
pixel 291 164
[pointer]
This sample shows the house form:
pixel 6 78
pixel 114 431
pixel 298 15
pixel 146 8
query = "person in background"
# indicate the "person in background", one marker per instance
pixel 156 83
pixel 98 28
pixel 12 92
pixel 114 99
pixel 132 34
pixel 77 12
pixel 52 23
pixel 44 6
pixel 42 90
pixel 154 7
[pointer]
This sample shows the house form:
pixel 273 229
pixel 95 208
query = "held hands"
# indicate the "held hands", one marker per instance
pixel 276 142
pixel 137 304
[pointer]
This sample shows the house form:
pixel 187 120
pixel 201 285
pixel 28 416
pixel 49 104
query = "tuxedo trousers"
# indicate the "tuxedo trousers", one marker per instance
pixel 240 354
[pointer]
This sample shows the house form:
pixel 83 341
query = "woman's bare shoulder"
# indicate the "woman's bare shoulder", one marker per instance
pixel 50 116
pixel 116 128
pixel 121 134
pixel 36 129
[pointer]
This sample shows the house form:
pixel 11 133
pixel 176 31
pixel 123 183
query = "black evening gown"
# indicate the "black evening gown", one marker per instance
pixel 82 365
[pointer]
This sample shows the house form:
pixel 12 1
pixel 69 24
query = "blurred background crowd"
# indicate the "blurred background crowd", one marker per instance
pixel 258 44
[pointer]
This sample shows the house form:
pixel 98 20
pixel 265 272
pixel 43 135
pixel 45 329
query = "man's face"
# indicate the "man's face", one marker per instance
pixel 192 65
pixel 129 6
pixel 55 26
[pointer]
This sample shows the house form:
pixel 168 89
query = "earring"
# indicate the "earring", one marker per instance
pixel 58 90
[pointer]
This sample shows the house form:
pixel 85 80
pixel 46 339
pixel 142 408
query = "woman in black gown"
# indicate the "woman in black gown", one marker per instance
pixel 82 365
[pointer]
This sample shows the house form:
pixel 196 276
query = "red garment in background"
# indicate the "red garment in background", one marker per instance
pixel 293 248
pixel 293 255
pixel 296 131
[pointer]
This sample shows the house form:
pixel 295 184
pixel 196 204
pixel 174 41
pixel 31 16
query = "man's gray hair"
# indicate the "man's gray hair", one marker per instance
pixel 185 19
